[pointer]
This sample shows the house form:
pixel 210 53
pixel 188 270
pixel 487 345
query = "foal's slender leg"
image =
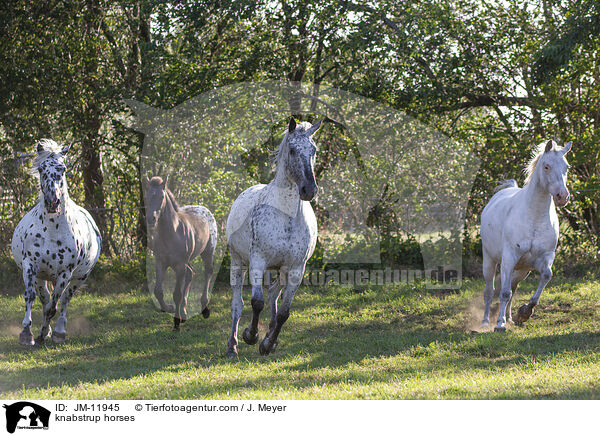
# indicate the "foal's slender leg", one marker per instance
pixel 60 332
pixel 41 286
pixel 62 284
pixel 236 279
pixel 506 272
pixel 180 295
pixel 207 260
pixel 161 269
pixel 29 273
pixel 489 272
pixel 526 310
pixel 257 271
pixel 294 278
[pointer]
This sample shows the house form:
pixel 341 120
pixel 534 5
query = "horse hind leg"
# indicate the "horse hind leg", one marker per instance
pixel 489 272
pixel 236 279
pixel 41 286
pixel 257 271
pixel 207 260
pixel 29 273
pixel 274 293
pixel 506 273
pixel 62 285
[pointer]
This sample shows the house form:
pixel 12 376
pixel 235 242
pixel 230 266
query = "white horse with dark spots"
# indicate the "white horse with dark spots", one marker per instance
pixel 519 231
pixel 274 226
pixel 57 242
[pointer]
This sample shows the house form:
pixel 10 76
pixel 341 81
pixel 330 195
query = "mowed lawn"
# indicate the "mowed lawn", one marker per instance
pixel 390 342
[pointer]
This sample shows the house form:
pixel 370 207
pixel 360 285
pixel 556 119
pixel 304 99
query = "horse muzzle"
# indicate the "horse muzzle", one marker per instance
pixel 308 192
pixel 561 198
pixel 52 207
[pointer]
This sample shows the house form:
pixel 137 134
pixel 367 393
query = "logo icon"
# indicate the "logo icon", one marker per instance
pixel 26 415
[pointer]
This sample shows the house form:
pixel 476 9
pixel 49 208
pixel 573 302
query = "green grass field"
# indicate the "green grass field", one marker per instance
pixel 392 342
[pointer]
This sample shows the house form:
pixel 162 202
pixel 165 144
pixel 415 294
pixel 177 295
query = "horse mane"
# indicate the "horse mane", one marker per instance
pixel 172 199
pixel 49 149
pixel 536 154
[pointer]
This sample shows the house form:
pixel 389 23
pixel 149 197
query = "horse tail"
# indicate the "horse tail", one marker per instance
pixel 510 183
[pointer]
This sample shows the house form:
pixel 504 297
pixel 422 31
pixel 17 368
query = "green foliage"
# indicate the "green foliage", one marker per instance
pixel 498 78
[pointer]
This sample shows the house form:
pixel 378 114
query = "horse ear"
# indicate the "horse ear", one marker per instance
pixel 548 146
pixel 40 148
pixel 314 128
pixel 567 147
pixel 292 125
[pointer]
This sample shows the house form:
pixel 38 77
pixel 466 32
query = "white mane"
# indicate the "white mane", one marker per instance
pixel 536 153
pixel 49 149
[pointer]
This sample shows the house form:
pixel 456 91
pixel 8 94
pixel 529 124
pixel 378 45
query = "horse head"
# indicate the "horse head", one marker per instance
pixel 156 197
pixel 300 157
pixel 51 168
pixel 553 172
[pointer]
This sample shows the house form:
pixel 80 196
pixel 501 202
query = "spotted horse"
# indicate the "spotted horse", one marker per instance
pixel 56 242
pixel 274 226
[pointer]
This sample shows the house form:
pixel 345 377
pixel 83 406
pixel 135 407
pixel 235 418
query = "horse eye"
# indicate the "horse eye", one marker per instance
pixel 547 167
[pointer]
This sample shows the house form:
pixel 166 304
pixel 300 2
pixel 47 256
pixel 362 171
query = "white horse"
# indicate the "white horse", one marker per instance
pixel 57 241
pixel 274 226
pixel 519 230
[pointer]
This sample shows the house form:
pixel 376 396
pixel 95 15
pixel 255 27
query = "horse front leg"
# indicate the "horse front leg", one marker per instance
pixel 518 277
pixel 236 279
pixel 489 273
pixel 62 284
pixel 41 286
pixel 506 271
pixel 161 269
pixel 207 260
pixel 180 295
pixel 29 277
pixel 257 271
pixel 294 278
pixel 526 310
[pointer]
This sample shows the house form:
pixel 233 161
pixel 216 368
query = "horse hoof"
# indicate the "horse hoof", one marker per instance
pixel 250 340
pixel 232 352
pixel 485 325
pixel 206 312
pixel 58 337
pixel 264 349
pixel 169 308
pixel 500 329
pixel 523 314
pixel 26 338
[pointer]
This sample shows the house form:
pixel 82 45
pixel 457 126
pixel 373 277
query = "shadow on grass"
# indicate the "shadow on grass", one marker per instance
pixel 126 340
